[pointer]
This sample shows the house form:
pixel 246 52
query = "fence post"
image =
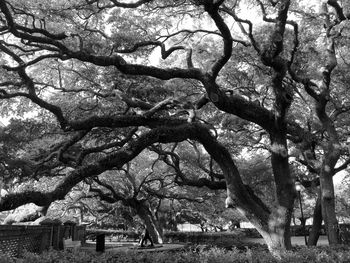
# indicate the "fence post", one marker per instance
pixel 20 242
pixel 100 242
pixel 57 233
pixel 46 238
pixel 81 233
pixel 72 229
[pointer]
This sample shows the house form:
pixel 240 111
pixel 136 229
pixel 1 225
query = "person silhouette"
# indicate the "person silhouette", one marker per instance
pixel 145 238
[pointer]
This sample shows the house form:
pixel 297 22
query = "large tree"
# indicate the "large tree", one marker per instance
pixel 88 72
pixel 321 68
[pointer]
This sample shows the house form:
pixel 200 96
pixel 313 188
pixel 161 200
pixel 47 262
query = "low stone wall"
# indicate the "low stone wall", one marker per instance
pixel 14 240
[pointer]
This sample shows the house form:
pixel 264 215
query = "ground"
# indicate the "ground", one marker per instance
pixel 134 246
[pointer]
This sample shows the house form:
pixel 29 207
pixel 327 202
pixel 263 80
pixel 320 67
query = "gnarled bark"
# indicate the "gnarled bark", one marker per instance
pixel 317 222
pixel 150 221
pixel 328 207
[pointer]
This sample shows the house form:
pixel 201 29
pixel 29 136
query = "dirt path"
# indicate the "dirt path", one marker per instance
pixel 135 247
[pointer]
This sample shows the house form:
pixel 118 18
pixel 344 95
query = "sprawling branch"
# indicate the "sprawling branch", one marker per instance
pixel 177 196
pixel 213 11
pixel 118 143
pixel 275 45
pixel 129 5
pixel 28 82
pixel 235 104
pixel 238 105
pixel 120 121
pixel 238 195
pixel 181 178
pixel 338 9
pixel 164 52
pixel 114 60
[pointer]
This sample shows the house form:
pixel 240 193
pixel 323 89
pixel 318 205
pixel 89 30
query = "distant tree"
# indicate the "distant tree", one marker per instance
pixel 343 200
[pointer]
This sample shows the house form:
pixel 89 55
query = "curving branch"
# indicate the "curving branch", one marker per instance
pixel 28 82
pixel 189 58
pixel 106 197
pixel 181 179
pixel 237 193
pixel 342 167
pixel 241 21
pixel 213 10
pixel 13 28
pixel 295 41
pixel 190 32
pixel 62 154
pixel 129 5
pixel 116 60
pixel 164 52
pixel 120 143
pixel 339 10
pixel 263 11
pixel 275 45
pixel 120 121
pixel 136 69
pixel 177 196
pixel 239 106
pixel 324 96
pixel 110 188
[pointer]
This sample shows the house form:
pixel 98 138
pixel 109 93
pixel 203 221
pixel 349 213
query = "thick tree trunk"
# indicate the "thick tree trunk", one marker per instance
pixel 274 232
pixel 274 226
pixel 275 229
pixel 280 219
pixel 317 222
pixel 328 205
pixel 332 152
pixel 150 222
pixel 274 241
pixel 285 198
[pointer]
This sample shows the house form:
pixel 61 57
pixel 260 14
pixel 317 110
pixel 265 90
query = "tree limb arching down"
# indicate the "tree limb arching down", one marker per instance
pixel 88 73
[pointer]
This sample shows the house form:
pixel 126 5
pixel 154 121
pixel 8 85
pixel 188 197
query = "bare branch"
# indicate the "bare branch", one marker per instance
pixel 338 9
pixel 129 5
pixel 232 13
pixel 213 11
pixel 164 52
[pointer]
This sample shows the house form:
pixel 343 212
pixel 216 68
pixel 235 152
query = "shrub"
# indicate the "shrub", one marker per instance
pixel 194 254
pixel 338 254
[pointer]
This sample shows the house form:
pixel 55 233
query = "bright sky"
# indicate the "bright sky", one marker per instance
pixel 3 121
